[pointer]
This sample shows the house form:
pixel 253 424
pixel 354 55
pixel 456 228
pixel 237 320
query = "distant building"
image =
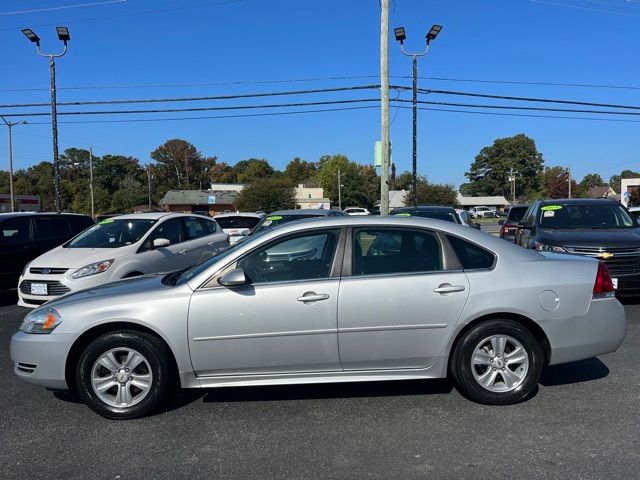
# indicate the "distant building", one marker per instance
pixel 23 203
pixel 497 202
pixel 311 197
pixel 145 209
pixel 210 202
pixel 397 199
pixel 601 192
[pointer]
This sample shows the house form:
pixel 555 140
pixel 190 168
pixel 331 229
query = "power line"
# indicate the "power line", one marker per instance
pixel 199 99
pixel 64 7
pixel 514 82
pixel 198 109
pixel 247 115
pixel 529 99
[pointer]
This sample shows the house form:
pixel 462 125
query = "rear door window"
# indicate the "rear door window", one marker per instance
pixel 193 228
pixel 471 256
pixel 387 251
pixel 51 227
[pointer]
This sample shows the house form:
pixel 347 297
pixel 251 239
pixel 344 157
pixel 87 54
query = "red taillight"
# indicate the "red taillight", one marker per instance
pixel 603 284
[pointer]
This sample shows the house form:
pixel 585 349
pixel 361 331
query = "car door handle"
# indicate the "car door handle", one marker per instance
pixel 313 297
pixel 212 243
pixel 182 252
pixel 447 288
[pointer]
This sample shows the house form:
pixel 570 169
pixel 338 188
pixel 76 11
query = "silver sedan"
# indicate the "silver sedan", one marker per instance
pixel 328 300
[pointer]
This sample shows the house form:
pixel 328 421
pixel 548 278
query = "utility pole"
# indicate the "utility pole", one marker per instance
pixel 512 180
pixel 569 175
pixel 384 106
pixel 339 191
pixel 149 183
pixel 91 180
pixel 63 35
pixel 9 126
pixel 401 36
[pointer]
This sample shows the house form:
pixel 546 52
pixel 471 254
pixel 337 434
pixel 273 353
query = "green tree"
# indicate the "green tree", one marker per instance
pixel 222 173
pixel 361 185
pixel 488 174
pixel 432 194
pixel 592 180
pixel 300 171
pixel 179 164
pixel 616 180
pixel 249 170
pixel 267 194
pixel 404 181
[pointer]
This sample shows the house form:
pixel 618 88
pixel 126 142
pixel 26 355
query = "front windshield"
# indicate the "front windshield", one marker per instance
pixel 568 216
pixel 275 220
pixel 112 233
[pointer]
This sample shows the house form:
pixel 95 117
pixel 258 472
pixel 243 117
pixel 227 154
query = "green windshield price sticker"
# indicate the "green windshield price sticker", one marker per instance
pixel 551 207
pixel 106 221
pixel 274 218
pixel 403 215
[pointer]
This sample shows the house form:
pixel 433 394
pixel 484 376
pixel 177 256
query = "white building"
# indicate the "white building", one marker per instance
pixel 494 203
pixel 311 197
pixel 228 187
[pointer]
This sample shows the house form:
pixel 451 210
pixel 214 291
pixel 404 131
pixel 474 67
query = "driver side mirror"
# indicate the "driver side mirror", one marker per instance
pixel 161 242
pixel 233 278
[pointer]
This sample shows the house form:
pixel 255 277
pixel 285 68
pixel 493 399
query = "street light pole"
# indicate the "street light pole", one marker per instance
pixel 63 35
pixel 401 37
pixel 91 179
pixel 9 126
pixel 339 191
pixel 384 106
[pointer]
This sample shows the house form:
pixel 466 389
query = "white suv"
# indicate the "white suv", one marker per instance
pixel 482 212
pixel 356 211
pixel 120 247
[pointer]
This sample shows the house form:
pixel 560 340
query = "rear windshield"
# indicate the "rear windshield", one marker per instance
pixel 516 213
pixel 275 220
pixel 112 233
pixel 237 222
pixel 563 216
pixel 446 216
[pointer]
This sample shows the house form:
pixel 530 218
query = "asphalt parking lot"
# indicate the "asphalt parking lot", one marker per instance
pixel 584 422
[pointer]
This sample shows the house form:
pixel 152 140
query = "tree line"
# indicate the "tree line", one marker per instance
pixel 122 182
pixel 490 172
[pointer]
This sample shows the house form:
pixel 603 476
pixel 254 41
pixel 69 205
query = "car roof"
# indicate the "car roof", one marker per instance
pixel 425 208
pixel 320 212
pixel 580 201
pixel 154 216
pixel 520 205
pixel 240 214
pixel 4 216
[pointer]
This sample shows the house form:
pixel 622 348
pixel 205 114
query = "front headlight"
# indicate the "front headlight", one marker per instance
pixel 92 269
pixel 41 321
pixel 541 247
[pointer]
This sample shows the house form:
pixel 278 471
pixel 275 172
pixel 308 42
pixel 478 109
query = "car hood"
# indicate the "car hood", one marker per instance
pixel 613 237
pixel 61 257
pixel 136 286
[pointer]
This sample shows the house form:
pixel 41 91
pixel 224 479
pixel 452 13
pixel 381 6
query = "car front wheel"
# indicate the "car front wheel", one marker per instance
pixel 498 362
pixel 123 374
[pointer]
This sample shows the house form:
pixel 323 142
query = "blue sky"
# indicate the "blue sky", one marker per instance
pixel 145 42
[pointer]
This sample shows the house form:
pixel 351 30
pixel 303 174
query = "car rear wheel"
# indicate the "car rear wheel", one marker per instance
pixel 123 374
pixel 498 362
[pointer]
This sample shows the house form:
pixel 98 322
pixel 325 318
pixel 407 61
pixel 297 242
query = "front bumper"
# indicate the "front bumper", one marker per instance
pixel 40 358
pixel 601 330
pixel 66 285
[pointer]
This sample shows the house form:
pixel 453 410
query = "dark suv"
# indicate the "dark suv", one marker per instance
pixel 598 228
pixel 25 236
pixel 509 226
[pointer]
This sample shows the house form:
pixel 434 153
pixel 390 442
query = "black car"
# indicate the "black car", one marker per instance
pixel 447 214
pixel 598 228
pixel 25 236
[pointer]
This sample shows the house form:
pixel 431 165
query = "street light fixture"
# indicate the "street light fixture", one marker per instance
pixel 9 126
pixel 63 35
pixel 401 37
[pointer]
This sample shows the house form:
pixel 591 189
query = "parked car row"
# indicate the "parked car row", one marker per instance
pixel 597 228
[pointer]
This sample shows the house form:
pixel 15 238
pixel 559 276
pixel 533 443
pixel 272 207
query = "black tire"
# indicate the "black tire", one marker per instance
pixel 461 368
pixel 151 348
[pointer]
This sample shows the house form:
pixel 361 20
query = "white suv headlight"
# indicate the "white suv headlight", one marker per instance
pixel 41 321
pixel 92 269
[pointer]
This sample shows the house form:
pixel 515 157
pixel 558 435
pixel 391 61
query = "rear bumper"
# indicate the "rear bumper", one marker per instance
pixel 40 358
pixel 601 330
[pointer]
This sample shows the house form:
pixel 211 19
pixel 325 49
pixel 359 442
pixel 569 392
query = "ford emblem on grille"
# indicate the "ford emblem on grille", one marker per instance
pixel 46 271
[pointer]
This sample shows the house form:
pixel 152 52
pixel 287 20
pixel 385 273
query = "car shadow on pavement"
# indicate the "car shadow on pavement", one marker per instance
pixel 574 372
pixel 328 390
